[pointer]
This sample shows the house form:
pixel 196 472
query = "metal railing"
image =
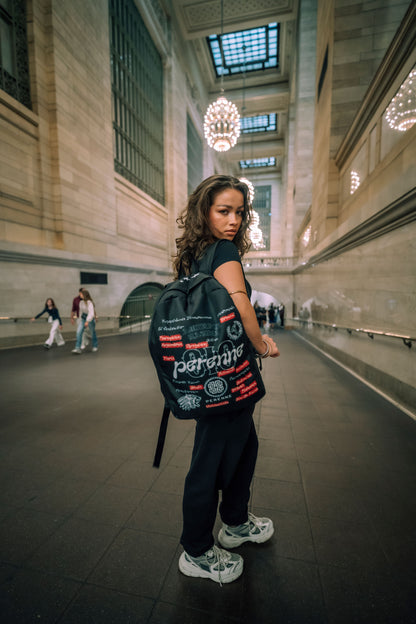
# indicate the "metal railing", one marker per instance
pixel 20 331
pixel 16 319
pixel 139 320
pixel 278 262
pixel 407 340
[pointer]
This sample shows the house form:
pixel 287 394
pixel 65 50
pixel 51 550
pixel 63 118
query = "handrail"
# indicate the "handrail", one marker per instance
pixel 274 262
pixel 15 319
pixel 407 340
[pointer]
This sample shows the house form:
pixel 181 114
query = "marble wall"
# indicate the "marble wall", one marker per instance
pixel 63 208
pixel 372 285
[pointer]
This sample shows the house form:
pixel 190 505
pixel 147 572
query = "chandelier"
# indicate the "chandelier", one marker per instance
pixel 250 189
pixel 256 235
pixel 401 112
pixel 222 120
pixel 222 124
pixel 355 181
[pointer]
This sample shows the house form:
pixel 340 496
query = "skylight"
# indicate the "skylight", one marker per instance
pixel 257 162
pixel 259 123
pixel 247 50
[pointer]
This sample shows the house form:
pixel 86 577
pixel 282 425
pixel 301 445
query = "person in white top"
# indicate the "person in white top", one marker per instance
pixel 87 314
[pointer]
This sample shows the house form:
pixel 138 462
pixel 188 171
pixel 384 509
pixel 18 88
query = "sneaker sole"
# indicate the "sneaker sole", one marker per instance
pixel 233 542
pixel 190 570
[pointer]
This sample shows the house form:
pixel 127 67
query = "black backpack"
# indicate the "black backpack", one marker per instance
pixel 203 357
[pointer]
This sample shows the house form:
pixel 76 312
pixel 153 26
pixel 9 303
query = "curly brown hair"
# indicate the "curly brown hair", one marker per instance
pixel 193 220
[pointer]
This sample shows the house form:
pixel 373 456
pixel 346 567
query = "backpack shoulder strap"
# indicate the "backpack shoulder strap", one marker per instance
pixel 205 263
pixel 162 436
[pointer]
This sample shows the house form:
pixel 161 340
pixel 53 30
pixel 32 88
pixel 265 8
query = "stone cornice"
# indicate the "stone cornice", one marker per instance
pixel 394 59
pixel 71 263
pixel 395 215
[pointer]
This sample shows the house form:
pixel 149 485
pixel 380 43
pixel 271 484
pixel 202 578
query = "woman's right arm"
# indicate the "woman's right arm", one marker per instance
pixel 40 314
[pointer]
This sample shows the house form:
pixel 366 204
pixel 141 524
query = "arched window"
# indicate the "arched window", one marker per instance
pixel 139 304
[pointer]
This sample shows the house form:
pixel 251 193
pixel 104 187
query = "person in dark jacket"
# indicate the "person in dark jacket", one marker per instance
pixel 56 324
pixel 75 316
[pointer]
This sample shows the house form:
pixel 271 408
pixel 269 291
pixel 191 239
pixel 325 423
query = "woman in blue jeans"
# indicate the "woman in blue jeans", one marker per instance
pixel 225 446
pixel 87 314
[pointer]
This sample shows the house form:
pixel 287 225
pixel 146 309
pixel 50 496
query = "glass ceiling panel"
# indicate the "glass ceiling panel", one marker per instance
pixel 257 162
pixel 247 50
pixel 259 123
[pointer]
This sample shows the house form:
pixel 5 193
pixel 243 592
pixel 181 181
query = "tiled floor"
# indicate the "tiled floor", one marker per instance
pixel 89 529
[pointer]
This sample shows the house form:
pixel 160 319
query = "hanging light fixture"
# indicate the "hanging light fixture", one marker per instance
pixel 256 235
pixel 250 189
pixel 355 181
pixel 222 120
pixel 243 110
pixel 401 112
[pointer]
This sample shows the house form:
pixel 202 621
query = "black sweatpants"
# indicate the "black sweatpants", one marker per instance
pixel 223 458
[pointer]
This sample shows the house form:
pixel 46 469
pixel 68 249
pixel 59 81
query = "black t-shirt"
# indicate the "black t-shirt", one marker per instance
pixel 226 251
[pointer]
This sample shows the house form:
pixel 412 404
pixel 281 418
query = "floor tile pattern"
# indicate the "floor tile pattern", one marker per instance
pixel 89 529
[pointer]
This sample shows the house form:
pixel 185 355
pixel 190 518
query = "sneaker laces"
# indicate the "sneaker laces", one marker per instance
pixel 221 558
pixel 247 526
pixel 254 520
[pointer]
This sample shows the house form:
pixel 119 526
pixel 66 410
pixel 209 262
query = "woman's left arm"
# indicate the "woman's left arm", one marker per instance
pixel 230 275
pixel 59 319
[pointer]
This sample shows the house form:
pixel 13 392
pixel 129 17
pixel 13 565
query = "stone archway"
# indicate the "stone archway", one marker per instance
pixel 138 306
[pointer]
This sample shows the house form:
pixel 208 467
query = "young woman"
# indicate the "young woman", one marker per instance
pixel 225 446
pixel 87 315
pixel 55 319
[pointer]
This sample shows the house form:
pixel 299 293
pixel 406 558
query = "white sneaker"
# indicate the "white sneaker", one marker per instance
pixel 78 351
pixel 256 530
pixel 216 564
pixel 94 349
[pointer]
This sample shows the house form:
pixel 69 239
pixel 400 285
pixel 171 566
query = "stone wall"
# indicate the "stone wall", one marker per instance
pixel 63 207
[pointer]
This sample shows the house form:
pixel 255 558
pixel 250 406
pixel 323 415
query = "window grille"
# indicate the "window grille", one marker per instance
pixel 245 51
pixel 262 204
pixel 253 163
pixel 137 90
pixel 93 278
pixel 194 154
pixel 14 64
pixel 259 123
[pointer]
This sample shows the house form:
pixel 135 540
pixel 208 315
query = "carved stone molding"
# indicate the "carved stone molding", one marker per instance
pixel 396 56
pixel 200 18
pixel 396 215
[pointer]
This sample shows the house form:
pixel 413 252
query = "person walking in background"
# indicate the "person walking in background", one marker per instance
pixel 55 319
pixel 87 315
pixel 257 311
pixel 272 316
pixel 75 316
pixel 282 315
pixel 225 445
